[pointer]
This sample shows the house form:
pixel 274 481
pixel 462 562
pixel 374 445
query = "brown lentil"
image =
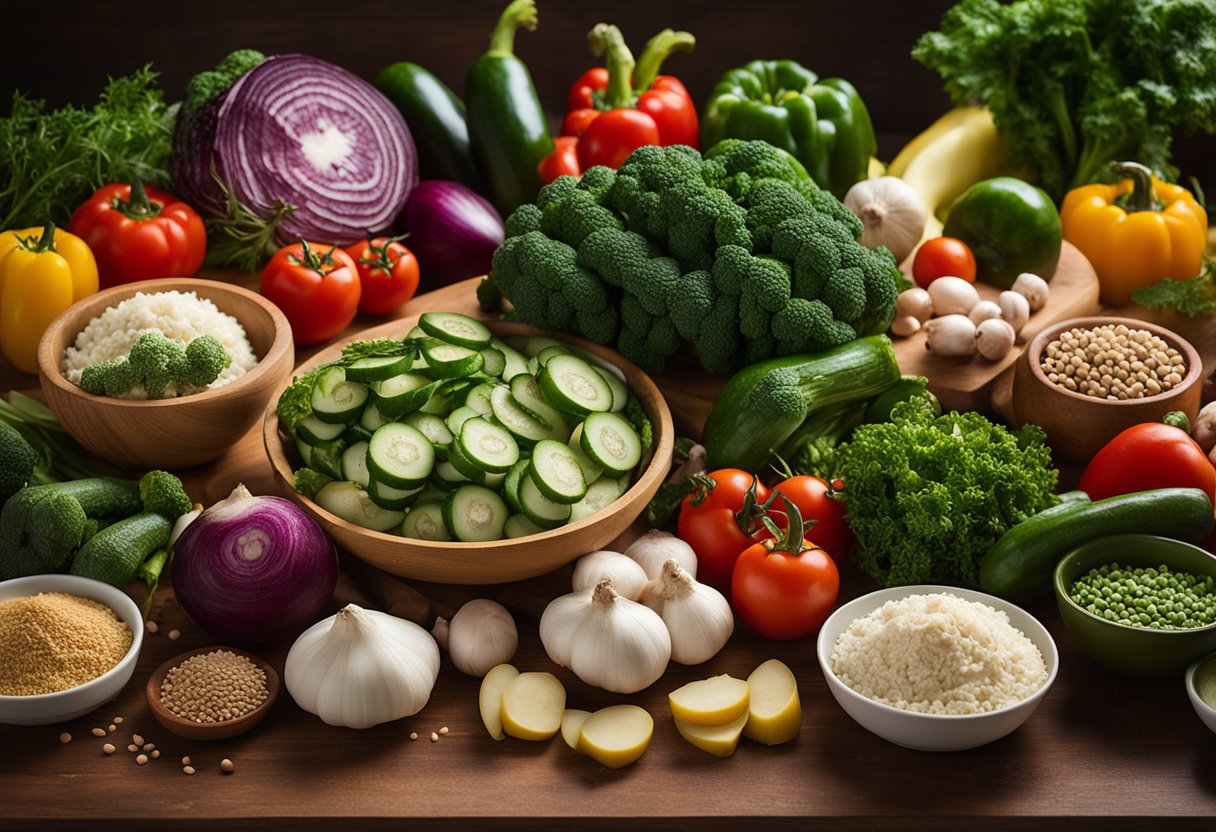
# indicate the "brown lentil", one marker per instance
pixel 142 759
pixel 54 641
pixel 188 769
pixel 174 635
pixel 227 766
pixel 151 626
pixel 185 761
pixel 99 732
pixel 214 687
pixel 65 738
pixel 107 749
pixel 1113 362
pixel 155 754
pixel 132 748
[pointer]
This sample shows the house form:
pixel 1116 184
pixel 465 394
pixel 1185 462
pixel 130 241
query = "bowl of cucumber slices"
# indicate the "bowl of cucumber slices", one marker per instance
pixel 449 449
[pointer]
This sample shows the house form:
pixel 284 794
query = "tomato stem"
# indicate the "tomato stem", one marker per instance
pixel 793 539
pixel 322 264
pixel 380 258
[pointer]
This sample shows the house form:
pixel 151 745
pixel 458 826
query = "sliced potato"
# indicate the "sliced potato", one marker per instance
pixel 774 712
pixel 713 701
pixel 616 736
pixel 719 740
pixel 572 723
pixel 532 706
pixel 489 699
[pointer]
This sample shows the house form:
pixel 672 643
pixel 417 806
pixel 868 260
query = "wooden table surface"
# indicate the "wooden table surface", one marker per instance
pixel 1103 751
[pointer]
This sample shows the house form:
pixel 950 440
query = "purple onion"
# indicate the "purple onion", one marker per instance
pixel 254 568
pixel 453 232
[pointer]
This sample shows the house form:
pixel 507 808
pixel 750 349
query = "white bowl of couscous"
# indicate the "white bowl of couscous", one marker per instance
pixel 67 635
pixel 936 668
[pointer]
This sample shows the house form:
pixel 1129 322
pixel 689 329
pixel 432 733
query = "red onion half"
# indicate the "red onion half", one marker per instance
pixel 254 568
pixel 453 232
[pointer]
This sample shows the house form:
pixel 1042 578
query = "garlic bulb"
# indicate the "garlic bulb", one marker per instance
pixel 607 640
pixel 360 668
pixel 628 577
pixel 891 211
pixel 697 616
pixel 480 635
pixel 654 548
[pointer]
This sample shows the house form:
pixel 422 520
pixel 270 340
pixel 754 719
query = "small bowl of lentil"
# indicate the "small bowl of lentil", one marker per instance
pixel 212 693
pixel 1201 689
pixel 1086 380
pixel 68 645
pixel 1139 604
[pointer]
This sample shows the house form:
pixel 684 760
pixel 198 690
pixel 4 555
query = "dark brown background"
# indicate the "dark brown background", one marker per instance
pixel 866 42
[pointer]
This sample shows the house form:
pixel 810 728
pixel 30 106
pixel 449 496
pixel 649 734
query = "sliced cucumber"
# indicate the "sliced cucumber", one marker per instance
pixel 425 522
pixel 438 404
pixel 620 393
pixel 532 345
pixel 571 385
pixel 478 398
pixel 388 497
pixel 494 481
pixel 350 502
pixel 556 472
pixel 327 458
pixel 354 464
pixel 305 451
pixel 515 362
pixel 490 447
pixel 372 418
pixel 474 514
pixel 542 357
pixel 518 525
pixel 430 494
pixel 471 470
pixel 334 399
pixel 515 419
pixel 379 367
pixel 602 493
pixel 400 456
pixel 458 417
pixel 610 441
pixel 538 508
pixel 495 362
pixel 526 392
pixel 457 329
pixel 315 432
pixel 434 429
pixel 416 333
pixel 445 477
pixel 402 394
pixel 356 433
pixel 446 360
pixel 591 469
pixel 510 486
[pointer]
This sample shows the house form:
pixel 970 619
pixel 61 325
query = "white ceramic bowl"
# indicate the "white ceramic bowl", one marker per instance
pixel 932 732
pixel 1205 711
pixel 68 704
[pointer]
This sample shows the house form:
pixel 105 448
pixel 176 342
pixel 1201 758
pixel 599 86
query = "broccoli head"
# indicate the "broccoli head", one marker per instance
pixel 523 219
pixel 736 166
pixel 210 84
pixel 17 461
pixel 598 181
pixel 845 294
pixel 600 327
pixel 769 203
pixel 718 342
pixel 206 358
pixel 489 297
pixel 164 494
pixel 689 302
pixel 155 358
pixel 574 216
pixel 731 267
pixel 800 323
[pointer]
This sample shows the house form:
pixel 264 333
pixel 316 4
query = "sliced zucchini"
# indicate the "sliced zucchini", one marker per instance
pixel 490 447
pixel 354 463
pixel 518 525
pixel 438 404
pixel 379 367
pixel 473 514
pixel 402 394
pixel 388 497
pixel 478 398
pixel 603 492
pixel 494 481
pixel 556 472
pixel 620 393
pixel 591 469
pixel 315 432
pixel 456 419
pixel 445 477
pixel 327 458
pixel 430 494
pixel 356 433
pixel 400 455
pixel 372 418
pixel 542 357
pixel 495 362
pixel 416 333
pixel 532 345
pixel 471 470
pixel 334 399
pixel 526 392
pixel 572 386
pixel 350 502
pixel 446 360
pixel 515 419
pixel 457 329
pixel 305 451
pixel 610 441
pixel 510 486
pixel 515 362
pixel 434 429
pixel 425 522
pixel 538 508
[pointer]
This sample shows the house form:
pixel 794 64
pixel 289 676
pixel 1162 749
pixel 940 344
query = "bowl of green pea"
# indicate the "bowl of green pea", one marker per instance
pixel 1139 604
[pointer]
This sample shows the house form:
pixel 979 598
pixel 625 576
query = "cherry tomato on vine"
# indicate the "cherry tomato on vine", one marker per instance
pixel 316 286
pixel 719 520
pixel 388 275
pixel 940 257
pixel 813 497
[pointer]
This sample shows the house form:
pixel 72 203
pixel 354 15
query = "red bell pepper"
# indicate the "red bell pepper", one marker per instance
pixel 614 110
pixel 1147 456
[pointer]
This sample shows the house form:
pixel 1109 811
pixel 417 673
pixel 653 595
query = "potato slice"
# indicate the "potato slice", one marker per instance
pixel 616 736
pixel 489 699
pixel 775 712
pixel 713 701
pixel 719 740
pixel 572 723
pixel 532 705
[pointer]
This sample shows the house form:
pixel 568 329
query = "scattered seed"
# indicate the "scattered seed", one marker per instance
pixel 413 735
pixel 107 749
pixel 99 732
pixel 227 766
pixel 148 746
pixel 137 739
pixel 185 761
pixel 142 759
pixel 65 738
pixel 118 720
pixel 155 754
pixel 443 730
pixel 434 737
pixel 132 747
pixel 174 635
pixel 151 627
pixel 188 769
pixel 112 728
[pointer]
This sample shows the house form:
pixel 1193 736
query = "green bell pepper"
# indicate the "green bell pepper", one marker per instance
pixel 823 123
pixel 1011 227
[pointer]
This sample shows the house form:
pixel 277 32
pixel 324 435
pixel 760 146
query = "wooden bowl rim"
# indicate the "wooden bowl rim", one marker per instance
pixel 1194 363
pixel 152 692
pixel 664 443
pixel 49 366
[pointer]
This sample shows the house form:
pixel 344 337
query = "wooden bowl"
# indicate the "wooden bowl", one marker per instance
pixel 209 730
pixel 498 561
pixel 1077 425
pixel 168 433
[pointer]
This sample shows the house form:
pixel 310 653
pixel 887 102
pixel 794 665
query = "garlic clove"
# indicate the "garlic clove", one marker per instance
pixel 628 576
pixel 652 549
pixel 698 617
pixel 489 698
pixel 984 310
pixel 481 634
pixel 572 724
pixel 994 338
pixel 774 709
pixel 1033 288
pixel 1015 309
pixel 951 336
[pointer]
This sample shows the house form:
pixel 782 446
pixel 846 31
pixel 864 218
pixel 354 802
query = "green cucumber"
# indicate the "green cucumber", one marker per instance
pixel 1020 564
pixel 388 497
pixel 334 399
pixel 354 464
pixel 350 502
pixel 611 442
pixel 600 494
pixel 495 362
pixel 400 456
pixel 518 525
pixel 446 360
pixel 425 522
pixel 474 514
pixel 568 383
pixel 540 509
pixel 557 473
pixel 456 329
pixel 316 432
pixel 490 447
pixel 514 362
pixel 456 419
pixel 378 368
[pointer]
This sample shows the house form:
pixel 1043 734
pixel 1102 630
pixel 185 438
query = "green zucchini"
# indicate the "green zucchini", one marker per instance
pixel 114 554
pixel 508 127
pixel 436 118
pixel 1020 564
pixel 764 404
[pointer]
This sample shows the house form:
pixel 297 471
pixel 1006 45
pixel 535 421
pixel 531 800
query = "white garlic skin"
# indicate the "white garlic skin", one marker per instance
pixel 628 576
pixel 891 211
pixel 652 550
pixel 698 617
pixel 481 634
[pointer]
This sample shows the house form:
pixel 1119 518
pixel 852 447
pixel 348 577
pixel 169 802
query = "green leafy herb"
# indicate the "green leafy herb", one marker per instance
pixel 1194 298
pixel 309 482
pixel 53 160
pixel 296 401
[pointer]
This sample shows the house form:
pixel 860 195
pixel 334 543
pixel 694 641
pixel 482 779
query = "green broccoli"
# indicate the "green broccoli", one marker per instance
pixel 18 459
pixel 555 191
pixel 631 343
pixel 697 220
pixel 634 316
pixel 758 349
pixel 845 294
pixel 205 359
pixel 767 283
pixel 630 261
pixel 163 493
pixel 731 268
pixel 561 313
pixel 770 203
pixel 574 216
pixel 206 86
pixel 523 219
pixel 718 343
pixel 109 378
pixel 689 301
pixel 598 181
pixel 308 482
pixel 663 338
pixel 801 323
pixel 489 296
pixel 599 327
pixel 736 166
pixel 155 358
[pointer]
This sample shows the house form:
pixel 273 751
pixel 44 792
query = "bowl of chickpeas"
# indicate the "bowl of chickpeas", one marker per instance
pixel 1086 380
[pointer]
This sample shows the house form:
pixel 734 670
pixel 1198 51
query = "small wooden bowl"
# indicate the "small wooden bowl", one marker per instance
pixel 1077 425
pixel 498 561
pixel 209 730
pixel 168 433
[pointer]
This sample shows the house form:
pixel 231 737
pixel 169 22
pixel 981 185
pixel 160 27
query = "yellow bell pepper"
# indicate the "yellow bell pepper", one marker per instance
pixel 42 273
pixel 1156 231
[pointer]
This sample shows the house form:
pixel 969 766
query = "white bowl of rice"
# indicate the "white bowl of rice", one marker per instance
pixel 936 668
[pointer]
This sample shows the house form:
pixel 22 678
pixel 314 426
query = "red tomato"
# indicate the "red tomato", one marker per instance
pixel 140 233
pixel 388 275
pixel 1147 456
pixel 940 257
pixel 710 520
pixel 813 497
pixel 614 135
pixel 316 286
pixel 784 588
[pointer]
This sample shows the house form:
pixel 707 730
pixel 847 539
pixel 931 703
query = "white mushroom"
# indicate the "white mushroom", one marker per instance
pixel 914 303
pixel 950 336
pixel 1033 288
pixel 953 295
pixel 1015 309
pixel 984 310
pixel 994 338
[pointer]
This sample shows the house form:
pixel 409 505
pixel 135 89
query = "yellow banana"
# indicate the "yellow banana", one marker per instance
pixel 952 118
pixel 875 169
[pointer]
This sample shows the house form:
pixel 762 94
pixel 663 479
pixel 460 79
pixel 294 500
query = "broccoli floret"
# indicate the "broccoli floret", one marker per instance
pixel 817 261
pixel 698 219
pixel 489 297
pixel 154 358
pixel 638 207
pixel 718 342
pixel 643 178
pixel 631 343
pixel 629 260
pixel 120 378
pixel 599 327
pixel 17 461
pixel 798 323
pixel 555 191
pixel 634 315
pixel 663 338
pixel 574 216
pixel 561 313
pixel 598 181
pixel 308 482
pixel 584 290
pixel 731 267
pixel 767 284
pixel 523 219
pixel 543 260
pixel 882 291
pixel 689 302
pixel 753 318
pixel 770 202
pixel 99 377
pixel 163 493
pixel 758 349
pixel 206 358
pixel 206 86
pixel 736 166
pixel 845 294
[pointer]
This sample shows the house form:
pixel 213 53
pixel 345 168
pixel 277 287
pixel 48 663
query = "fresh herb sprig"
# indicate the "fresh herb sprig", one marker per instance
pixel 1194 298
